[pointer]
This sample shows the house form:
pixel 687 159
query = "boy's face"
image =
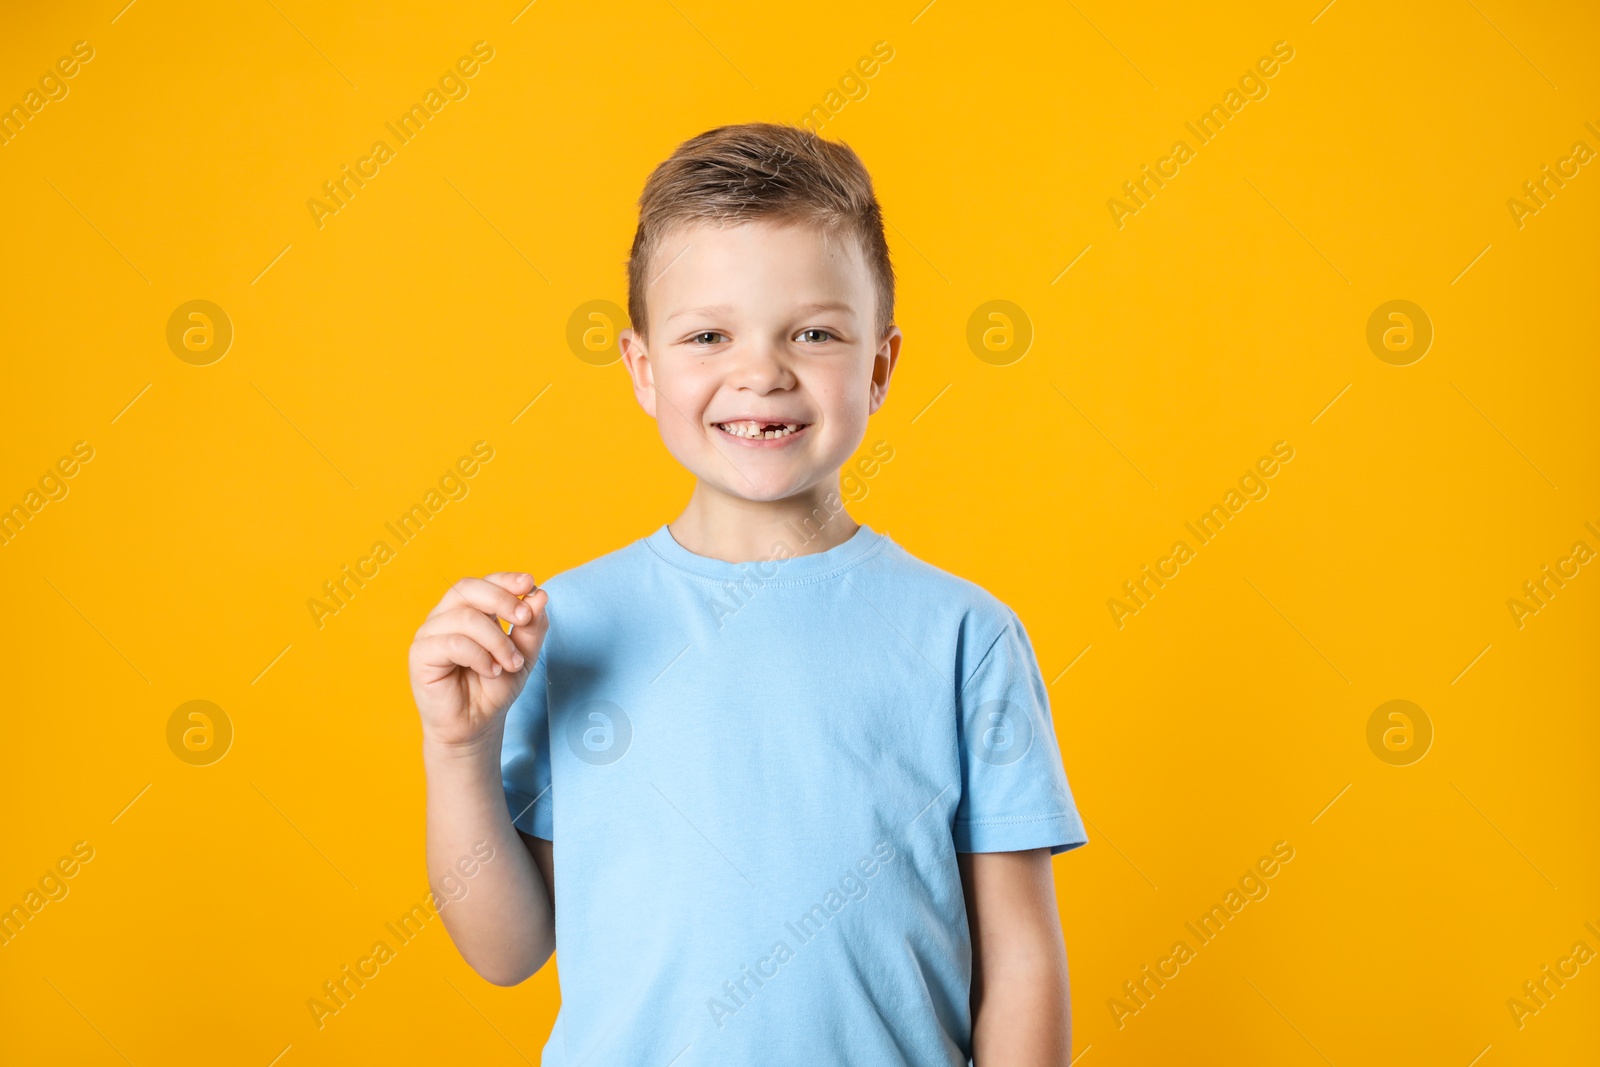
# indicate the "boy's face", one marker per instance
pixel 754 327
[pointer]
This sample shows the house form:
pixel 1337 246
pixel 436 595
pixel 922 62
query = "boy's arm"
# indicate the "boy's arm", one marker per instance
pixel 1020 1012
pixel 544 855
pixel 466 672
pixel 504 923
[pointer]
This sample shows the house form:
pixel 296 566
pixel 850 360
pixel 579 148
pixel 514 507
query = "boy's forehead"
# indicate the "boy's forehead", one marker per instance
pixel 790 264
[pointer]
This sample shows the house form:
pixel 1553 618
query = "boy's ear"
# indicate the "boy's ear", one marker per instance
pixel 883 364
pixel 636 358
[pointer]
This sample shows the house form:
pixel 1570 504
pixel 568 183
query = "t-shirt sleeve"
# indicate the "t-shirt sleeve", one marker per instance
pixel 525 755
pixel 1014 789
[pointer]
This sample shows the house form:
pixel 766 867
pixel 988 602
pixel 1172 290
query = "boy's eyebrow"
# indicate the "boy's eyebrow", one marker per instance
pixel 831 306
pixel 722 309
pixel 717 309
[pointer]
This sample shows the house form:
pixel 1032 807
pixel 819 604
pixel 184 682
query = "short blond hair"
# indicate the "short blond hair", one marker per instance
pixel 768 171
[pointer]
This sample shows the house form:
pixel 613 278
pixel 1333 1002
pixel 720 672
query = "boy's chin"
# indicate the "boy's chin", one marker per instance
pixel 759 494
pixel 755 490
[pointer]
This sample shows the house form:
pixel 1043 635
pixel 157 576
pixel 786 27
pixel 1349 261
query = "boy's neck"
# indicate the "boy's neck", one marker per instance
pixel 736 530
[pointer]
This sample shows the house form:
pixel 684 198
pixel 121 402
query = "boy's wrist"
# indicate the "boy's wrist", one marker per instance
pixel 476 754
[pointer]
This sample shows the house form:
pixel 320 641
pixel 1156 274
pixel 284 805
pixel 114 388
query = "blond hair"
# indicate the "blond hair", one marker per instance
pixel 767 171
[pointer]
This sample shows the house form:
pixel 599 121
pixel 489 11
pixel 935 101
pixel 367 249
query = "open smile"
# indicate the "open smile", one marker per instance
pixel 763 434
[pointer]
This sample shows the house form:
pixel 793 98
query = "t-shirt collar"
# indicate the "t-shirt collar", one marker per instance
pixel 770 566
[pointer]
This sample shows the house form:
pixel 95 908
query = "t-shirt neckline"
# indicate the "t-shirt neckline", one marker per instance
pixel 770 568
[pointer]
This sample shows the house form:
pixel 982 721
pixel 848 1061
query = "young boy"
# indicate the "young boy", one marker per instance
pixel 803 786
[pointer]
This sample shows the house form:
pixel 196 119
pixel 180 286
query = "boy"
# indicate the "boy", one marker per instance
pixel 803 786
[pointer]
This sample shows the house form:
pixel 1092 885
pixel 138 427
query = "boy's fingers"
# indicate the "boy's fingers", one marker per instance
pixel 528 637
pixel 535 602
pixel 456 649
pixel 489 597
pixel 478 627
pixel 518 583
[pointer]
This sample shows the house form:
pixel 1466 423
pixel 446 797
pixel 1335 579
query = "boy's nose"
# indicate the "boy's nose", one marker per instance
pixel 760 366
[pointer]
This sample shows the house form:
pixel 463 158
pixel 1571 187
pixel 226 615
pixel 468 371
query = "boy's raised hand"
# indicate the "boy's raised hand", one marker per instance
pixel 465 669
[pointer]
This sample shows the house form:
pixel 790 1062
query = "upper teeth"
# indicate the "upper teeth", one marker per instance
pixel 754 429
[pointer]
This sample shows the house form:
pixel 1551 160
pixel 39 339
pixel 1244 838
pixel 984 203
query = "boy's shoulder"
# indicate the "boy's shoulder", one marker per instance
pixel 938 604
pixel 913 573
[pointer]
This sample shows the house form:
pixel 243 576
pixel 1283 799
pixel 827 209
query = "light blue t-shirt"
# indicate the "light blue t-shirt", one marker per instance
pixel 756 777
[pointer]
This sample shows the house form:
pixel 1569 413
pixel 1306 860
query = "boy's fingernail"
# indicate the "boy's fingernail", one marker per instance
pixel 524 613
pixel 516 661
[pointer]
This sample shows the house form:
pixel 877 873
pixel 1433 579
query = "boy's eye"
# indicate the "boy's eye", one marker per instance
pixel 700 338
pixel 805 334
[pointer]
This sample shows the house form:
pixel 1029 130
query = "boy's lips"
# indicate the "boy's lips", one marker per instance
pixel 761 433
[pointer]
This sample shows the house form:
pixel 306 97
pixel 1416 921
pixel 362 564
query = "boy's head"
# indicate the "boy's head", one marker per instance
pixel 762 301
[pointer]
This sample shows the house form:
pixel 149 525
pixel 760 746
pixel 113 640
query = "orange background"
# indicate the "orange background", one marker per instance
pixel 1229 313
